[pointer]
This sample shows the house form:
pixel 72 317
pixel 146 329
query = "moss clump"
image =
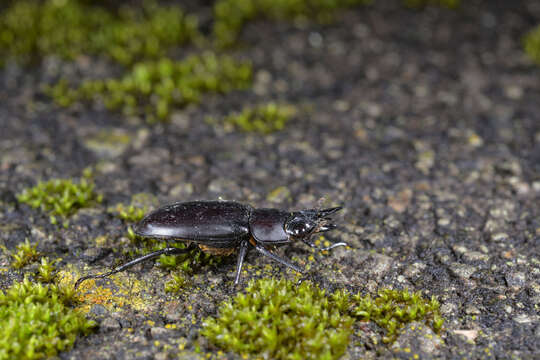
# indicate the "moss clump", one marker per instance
pixel 417 4
pixel 531 44
pixel 277 319
pixel 68 28
pixel 46 271
pixel 152 89
pixel 60 197
pixel 262 119
pixel 129 213
pixel 231 15
pixel 177 283
pixel 36 322
pixel 187 262
pixel 393 309
pixel 25 254
pixel 134 211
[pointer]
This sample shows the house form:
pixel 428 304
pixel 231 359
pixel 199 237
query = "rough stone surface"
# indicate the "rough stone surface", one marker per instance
pixel 417 339
pixel 424 125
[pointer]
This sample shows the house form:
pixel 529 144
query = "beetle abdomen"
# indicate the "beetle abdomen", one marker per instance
pixel 208 222
pixel 216 251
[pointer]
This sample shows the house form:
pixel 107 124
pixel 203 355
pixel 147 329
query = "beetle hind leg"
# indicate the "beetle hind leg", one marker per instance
pixel 152 255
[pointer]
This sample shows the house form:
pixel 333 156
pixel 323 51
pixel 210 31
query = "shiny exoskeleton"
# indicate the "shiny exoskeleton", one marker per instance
pixel 221 227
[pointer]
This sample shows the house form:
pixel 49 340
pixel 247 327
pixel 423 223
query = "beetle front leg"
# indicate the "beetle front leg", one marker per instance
pixel 273 256
pixel 166 251
pixel 326 248
pixel 241 255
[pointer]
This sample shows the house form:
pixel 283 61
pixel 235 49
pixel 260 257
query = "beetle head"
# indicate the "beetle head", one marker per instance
pixel 302 224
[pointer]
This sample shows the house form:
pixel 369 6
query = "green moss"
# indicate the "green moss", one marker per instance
pixel 134 211
pixel 68 28
pixel 263 119
pixel 128 213
pixel 393 309
pixel 153 89
pixel 231 15
pixel 277 319
pixel 60 197
pixel 279 195
pixel 108 143
pixel 46 271
pixel 417 4
pixel 531 44
pixel 177 283
pixel 25 254
pixel 36 322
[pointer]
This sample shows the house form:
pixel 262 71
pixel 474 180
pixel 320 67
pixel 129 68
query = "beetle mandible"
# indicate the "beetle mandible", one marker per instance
pixel 221 227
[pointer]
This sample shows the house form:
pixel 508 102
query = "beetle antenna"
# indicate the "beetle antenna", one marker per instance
pixel 152 255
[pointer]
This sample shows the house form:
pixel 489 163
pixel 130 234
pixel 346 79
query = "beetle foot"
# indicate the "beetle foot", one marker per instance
pixel 84 278
pixel 305 277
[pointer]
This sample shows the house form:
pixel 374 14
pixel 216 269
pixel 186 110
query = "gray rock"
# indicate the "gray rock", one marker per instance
pixel 378 265
pixel 417 338
pixel 515 279
pixel 462 271
pixel 108 143
pixel 98 310
pixel 475 256
pixel 109 324
pixel 158 332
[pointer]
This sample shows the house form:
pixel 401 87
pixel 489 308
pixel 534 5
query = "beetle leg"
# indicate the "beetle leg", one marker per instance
pixel 326 227
pixel 166 251
pixel 326 212
pixel 326 248
pixel 273 256
pixel 241 255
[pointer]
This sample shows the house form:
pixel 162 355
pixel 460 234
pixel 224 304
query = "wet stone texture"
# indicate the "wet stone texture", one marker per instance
pixel 424 125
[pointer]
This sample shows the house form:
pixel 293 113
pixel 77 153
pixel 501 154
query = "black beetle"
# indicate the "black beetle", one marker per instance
pixel 220 227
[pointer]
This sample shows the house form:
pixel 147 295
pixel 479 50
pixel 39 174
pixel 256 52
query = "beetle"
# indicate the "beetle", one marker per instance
pixel 221 227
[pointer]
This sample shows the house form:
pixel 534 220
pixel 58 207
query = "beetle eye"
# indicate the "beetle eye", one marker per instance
pixel 299 227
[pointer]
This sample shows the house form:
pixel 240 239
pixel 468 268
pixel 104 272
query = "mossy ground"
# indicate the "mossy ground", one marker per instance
pixel 397 97
pixel 531 44
pixel 117 293
pixel 154 89
pixel 134 212
pixel 60 197
pixel 231 15
pixel 36 321
pixel 281 319
pixel 278 319
pixel 263 119
pixel 25 254
pixel 451 4
pixel 393 309
pixel 30 30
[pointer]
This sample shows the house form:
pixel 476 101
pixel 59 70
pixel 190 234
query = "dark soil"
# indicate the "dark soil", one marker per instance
pixel 424 125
